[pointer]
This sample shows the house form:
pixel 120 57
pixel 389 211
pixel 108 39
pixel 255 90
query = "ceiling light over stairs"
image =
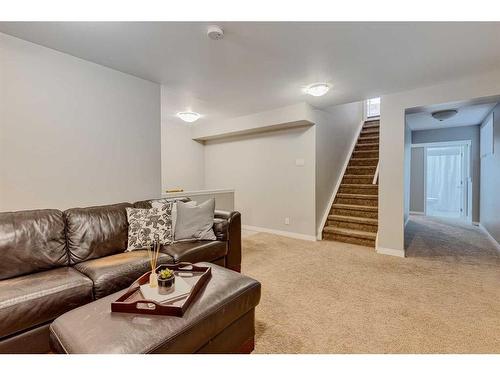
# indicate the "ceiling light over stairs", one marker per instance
pixel 317 89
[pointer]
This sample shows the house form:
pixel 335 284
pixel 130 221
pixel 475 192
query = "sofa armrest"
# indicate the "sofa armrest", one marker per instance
pixel 227 227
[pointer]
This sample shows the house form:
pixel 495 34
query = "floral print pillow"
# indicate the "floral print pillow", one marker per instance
pixel 148 225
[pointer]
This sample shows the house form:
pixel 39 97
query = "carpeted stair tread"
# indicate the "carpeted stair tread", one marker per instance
pixel 364 152
pixel 356 207
pixel 367 144
pixel 359 185
pixel 361 166
pixel 364 159
pixel 369 137
pixel 358 176
pixel 353 219
pixel 361 196
pixel 351 232
pixel 369 131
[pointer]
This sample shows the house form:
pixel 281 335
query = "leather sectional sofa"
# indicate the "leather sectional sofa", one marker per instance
pixel 52 262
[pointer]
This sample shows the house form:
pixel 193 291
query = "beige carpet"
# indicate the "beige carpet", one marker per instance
pixel 330 297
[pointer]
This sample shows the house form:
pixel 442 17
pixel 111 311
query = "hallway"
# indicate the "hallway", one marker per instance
pixel 449 240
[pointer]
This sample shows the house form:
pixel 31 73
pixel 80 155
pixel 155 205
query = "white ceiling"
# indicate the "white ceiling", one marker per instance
pixel 258 66
pixel 467 115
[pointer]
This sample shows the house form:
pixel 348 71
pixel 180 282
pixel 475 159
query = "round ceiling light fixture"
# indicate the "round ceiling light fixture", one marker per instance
pixel 317 89
pixel 444 114
pixel 188 116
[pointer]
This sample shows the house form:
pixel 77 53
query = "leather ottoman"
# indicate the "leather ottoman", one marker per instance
pixel 220 320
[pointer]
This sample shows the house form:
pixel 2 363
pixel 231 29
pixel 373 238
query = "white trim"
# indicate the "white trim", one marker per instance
pixel 197 192
pixel 375 176
pixel 407 220
pixel 279 232
pixel 319 235
pixel 495 242
pixel 392 252
pixel 442 144
pixel 417 213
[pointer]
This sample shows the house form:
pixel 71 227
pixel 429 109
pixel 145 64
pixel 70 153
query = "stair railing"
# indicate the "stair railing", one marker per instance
pixel 375 177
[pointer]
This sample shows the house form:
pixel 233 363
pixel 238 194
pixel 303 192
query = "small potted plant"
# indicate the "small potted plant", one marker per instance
pixel 166 280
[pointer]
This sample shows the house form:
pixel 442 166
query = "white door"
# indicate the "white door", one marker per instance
pixel 447 181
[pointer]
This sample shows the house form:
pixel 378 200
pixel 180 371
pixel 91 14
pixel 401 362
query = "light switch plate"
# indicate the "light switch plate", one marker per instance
pixel 300 162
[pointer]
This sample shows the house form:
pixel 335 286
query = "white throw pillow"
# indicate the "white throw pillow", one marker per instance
pixel 195 222
pixel 160 203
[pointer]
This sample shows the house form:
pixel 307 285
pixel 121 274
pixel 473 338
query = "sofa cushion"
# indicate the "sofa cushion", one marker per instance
pixel 95 232
pixel 31 241
pixel 30 300
pixel 198 251
pixel 119 271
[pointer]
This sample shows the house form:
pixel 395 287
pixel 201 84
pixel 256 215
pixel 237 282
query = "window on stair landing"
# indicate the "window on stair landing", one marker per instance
pixel 373 107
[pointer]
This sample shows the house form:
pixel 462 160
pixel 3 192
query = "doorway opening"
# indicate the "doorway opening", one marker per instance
pixel 447 181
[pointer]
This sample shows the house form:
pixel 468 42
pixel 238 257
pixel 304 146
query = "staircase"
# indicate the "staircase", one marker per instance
pixel 353 217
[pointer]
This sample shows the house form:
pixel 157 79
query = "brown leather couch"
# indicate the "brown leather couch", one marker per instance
pixel 53 261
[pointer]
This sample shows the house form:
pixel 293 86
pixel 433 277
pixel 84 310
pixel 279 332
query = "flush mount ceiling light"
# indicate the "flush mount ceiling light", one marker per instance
pixel 317 89
pixel 188 116
pixel 444 115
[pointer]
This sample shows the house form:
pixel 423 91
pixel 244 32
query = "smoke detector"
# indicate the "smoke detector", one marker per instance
pixel 215 32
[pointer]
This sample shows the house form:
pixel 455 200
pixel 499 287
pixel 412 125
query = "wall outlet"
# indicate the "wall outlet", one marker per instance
pixel 287 221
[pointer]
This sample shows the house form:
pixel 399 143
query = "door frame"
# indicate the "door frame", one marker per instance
pixel 467 198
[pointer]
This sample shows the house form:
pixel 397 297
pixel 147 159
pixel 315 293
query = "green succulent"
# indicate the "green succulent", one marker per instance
pixel 165 274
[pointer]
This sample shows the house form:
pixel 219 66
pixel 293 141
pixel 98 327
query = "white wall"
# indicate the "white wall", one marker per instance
pixel 490 181
pixel 182 159
pixel 392 209
pixel 417 180
pixel 73 133
pixel 268 185
pixel 336 129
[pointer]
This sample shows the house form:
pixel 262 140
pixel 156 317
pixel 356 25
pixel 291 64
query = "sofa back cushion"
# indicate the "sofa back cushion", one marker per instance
pixel 95 232
pixel 31 241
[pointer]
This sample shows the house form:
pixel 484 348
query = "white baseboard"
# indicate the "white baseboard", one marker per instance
pixel 393 252
pixel 492 239
pixel 319 234
pixel 407 220
pixel 417 213
pixel 283 233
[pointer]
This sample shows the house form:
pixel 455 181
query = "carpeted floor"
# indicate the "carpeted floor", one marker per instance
pixel 330 297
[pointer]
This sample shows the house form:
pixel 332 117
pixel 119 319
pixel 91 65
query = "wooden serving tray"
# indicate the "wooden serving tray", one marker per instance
pixel 132 300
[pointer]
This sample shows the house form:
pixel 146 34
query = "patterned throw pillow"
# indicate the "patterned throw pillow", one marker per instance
pixel 148 225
